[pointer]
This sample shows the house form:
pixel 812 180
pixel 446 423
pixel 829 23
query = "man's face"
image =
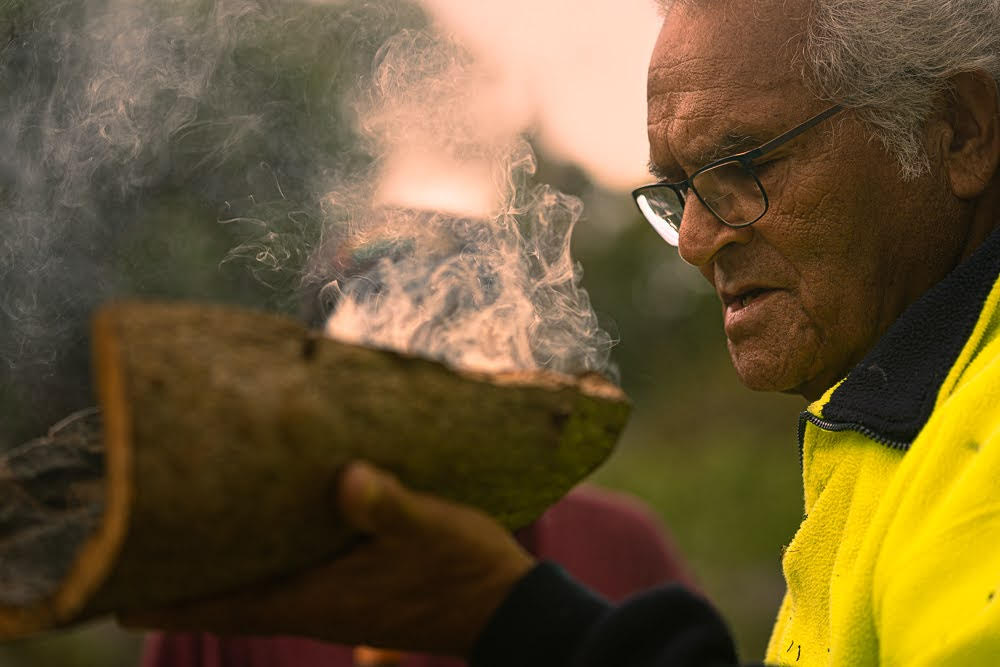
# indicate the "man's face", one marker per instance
pixel 846 245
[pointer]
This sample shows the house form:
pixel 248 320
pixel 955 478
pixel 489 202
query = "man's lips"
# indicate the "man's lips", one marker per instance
pixel 738 298
pixel 746 308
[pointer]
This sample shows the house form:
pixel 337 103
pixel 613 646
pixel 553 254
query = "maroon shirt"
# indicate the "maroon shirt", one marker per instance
pixel 606 540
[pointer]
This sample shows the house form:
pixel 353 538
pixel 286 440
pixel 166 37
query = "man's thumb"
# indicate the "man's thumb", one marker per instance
pixel 372 500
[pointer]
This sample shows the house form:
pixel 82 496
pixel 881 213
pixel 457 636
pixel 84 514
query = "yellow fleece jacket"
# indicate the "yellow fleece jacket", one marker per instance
pixel 898 559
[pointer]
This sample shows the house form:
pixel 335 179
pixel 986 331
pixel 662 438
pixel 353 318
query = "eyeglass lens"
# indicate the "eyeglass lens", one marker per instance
pixel 663 209
pixel 731 192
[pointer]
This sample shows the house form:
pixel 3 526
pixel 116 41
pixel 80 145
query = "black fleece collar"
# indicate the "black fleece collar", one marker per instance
pixel 893 390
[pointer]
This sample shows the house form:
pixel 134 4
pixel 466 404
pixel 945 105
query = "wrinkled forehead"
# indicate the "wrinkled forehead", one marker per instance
pixel 722 66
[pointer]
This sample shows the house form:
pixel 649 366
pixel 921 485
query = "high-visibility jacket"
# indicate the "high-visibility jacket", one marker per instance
pixel 898 559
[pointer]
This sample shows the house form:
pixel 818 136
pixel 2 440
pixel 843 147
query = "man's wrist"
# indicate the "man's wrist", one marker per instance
pixel 494 590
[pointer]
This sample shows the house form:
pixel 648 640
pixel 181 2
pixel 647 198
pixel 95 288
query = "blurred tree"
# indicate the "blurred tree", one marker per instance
pixel 178 150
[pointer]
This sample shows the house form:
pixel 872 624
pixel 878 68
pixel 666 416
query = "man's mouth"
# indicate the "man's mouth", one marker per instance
pixel 742 299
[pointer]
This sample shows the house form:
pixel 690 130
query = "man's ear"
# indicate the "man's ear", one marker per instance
pixel 970 144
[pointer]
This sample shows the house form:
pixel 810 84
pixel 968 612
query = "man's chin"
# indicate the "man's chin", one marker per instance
pixel 769 368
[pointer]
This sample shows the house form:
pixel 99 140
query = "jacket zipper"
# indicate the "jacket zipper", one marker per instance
pixel 807 417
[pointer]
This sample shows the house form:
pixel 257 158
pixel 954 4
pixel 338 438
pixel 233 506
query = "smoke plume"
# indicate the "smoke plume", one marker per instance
pixel 249 151
pixel 481 277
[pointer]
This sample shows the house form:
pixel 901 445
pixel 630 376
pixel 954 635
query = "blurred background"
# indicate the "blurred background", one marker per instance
pixel 717 463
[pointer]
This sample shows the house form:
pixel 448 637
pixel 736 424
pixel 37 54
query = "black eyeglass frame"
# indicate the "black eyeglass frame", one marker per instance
pixel 745 160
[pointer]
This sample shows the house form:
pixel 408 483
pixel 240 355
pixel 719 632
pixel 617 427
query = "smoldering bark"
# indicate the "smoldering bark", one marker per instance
pixel 223 434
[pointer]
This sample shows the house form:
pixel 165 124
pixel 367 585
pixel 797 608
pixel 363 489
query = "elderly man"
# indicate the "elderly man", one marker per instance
pixel 831 168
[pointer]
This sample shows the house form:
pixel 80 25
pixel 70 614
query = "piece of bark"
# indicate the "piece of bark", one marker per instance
pixel 51 500
pixel 224 431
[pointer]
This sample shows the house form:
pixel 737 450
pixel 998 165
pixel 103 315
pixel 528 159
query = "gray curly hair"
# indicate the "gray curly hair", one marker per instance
pixel 892 61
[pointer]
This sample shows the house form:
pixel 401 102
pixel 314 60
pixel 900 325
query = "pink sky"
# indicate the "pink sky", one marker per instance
pixel 574 70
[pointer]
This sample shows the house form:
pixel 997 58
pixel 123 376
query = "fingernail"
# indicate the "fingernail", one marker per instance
pixel 362 483
pixel 370 480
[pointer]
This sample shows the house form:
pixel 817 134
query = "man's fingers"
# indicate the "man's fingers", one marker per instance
pixel 251 611
pixel 361 486
pixel 177 619
pixel 375 502
pixel 456 550
pixel 143 621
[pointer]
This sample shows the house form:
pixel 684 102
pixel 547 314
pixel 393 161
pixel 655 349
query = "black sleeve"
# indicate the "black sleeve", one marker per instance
pixel 550 620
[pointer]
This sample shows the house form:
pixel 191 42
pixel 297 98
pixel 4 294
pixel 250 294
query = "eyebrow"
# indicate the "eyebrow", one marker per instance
pixel 659 172
pixel 731 144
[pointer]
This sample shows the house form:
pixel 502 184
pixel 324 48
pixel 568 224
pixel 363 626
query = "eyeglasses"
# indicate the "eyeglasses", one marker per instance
pixel 727 187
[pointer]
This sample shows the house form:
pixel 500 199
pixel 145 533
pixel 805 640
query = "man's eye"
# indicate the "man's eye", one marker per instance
pixel 762 168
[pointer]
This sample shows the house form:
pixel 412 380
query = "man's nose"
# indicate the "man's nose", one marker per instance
pixel 702 235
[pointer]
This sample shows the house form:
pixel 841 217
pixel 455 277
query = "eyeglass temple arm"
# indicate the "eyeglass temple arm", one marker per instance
pixel 791 134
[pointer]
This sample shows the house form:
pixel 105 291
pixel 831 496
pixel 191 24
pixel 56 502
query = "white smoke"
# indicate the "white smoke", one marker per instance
pixel 479 274
pixel 203 149
pixel 128 131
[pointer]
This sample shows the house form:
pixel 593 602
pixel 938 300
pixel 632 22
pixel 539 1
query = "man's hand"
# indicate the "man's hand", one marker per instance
pixel 428 577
